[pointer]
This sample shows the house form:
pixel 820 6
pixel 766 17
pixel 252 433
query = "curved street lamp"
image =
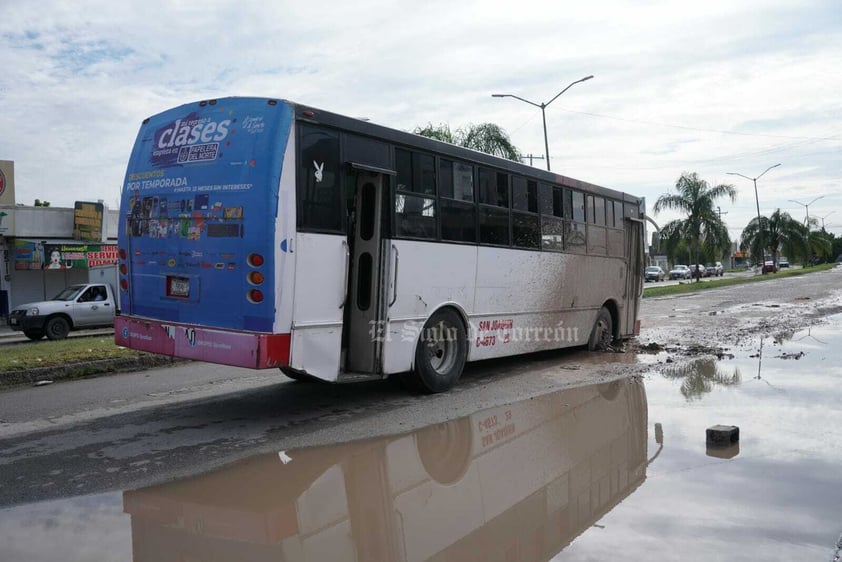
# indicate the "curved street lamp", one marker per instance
pixel 806 207
pixel 824 217
pixel 757 201
pixel 543 106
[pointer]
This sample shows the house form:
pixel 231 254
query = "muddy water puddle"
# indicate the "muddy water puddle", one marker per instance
pixel 583 474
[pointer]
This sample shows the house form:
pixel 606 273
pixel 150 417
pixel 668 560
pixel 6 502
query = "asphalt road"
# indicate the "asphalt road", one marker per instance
pixel 137 429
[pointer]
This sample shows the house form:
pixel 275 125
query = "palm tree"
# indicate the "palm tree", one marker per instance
pixel 778 231
pixel 703 228
pixel 485 137
pixel 819 246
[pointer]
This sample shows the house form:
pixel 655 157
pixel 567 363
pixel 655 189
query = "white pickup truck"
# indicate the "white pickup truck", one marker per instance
pixel 90 305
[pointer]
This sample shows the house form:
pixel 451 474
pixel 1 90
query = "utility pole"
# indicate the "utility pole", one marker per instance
pixel 531 157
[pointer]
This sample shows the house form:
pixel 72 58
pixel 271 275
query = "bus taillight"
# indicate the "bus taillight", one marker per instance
pixel 255 296
pixel 124 284
pixel 122 254
pixel 255 260
pixel 255 278
pixel 123 269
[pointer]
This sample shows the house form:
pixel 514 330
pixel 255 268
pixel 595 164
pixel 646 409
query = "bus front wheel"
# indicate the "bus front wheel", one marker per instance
pixel 440 353
pixel 602 334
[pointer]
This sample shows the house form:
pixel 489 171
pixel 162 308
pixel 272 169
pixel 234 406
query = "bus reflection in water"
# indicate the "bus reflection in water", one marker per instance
pixel 517 482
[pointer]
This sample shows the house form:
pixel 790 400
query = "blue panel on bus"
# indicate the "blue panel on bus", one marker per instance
pixel 200 197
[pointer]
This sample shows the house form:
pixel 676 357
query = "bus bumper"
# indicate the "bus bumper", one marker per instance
pixel 239 349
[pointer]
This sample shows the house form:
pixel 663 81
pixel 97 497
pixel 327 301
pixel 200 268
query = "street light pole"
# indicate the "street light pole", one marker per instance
pixel 543 107
pixel 824 217
pixel 806 207
pixel 757 201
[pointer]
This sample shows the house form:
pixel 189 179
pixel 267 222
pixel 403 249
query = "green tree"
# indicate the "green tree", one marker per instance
pixel 441 132
pixel 775 233
pixel 836 241
pixel 485 137
pixel 702 228
pixel 819 247
pixel 701 376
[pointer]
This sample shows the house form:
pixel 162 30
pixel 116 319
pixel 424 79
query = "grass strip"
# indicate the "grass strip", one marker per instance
pixel 693 286
pixel 45 353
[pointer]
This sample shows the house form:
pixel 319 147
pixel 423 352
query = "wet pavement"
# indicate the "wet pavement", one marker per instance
pixel 588 473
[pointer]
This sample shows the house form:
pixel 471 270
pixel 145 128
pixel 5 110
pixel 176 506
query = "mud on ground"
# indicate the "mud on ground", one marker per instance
pixel 720 322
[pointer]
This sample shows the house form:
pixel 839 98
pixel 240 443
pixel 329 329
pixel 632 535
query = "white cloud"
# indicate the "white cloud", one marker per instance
pixel 671 80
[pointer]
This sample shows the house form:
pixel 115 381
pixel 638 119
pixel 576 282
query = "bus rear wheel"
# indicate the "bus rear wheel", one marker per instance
pixel 602 335
pixel 298 376
pixel 440 353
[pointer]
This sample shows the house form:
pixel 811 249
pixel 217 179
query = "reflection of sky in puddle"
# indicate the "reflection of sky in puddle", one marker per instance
pixel 778 498
pixel 528 478
pixel 523 479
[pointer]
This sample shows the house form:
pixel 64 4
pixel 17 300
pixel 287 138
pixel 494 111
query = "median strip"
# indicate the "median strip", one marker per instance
pixel 693 286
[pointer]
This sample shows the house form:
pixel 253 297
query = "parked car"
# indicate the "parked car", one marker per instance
pixel 698 270
pixel 653 273
pixel 783 263
pixel 91 305
pixel 680 272
pixel 769 267
pixel 715 270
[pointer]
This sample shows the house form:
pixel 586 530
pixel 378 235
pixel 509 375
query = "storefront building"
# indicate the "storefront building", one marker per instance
pixel 44 249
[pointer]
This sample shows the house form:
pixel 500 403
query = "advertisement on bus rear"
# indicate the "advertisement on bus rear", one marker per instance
pixel 200 196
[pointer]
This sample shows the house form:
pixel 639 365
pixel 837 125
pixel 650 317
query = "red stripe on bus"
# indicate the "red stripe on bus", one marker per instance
pixel 274 350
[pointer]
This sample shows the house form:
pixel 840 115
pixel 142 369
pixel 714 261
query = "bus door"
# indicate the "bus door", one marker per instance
pixel 364 317
pixel 634 275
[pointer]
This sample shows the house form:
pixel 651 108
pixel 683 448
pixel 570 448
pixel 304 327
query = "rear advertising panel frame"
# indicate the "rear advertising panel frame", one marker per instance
pixel 201 195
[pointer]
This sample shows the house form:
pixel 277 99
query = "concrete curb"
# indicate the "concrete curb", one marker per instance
pixel 86 369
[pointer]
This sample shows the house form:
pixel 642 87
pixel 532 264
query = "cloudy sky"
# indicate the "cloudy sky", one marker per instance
pixel 708 87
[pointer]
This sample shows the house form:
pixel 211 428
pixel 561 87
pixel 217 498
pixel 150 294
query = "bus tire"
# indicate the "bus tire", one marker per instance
pixel 609 390
pixel 57 328
pixel 298 376
pixel 445 450
pixel 440 353
pixel 602 334
pixel 34 335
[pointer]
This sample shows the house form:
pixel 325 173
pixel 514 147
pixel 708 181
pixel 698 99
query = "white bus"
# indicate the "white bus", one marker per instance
pixel 268 234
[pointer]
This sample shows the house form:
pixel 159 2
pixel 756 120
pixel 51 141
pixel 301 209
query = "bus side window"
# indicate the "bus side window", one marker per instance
pixel 319 194
pixel 618 214
pixel 463 181
pixel 458 211
pixel 575 231
pixel 415 215
pixel 526 228
pixel 577 206
pixel 598 214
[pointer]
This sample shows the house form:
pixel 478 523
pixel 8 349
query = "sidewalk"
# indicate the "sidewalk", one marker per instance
pixel 6 332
